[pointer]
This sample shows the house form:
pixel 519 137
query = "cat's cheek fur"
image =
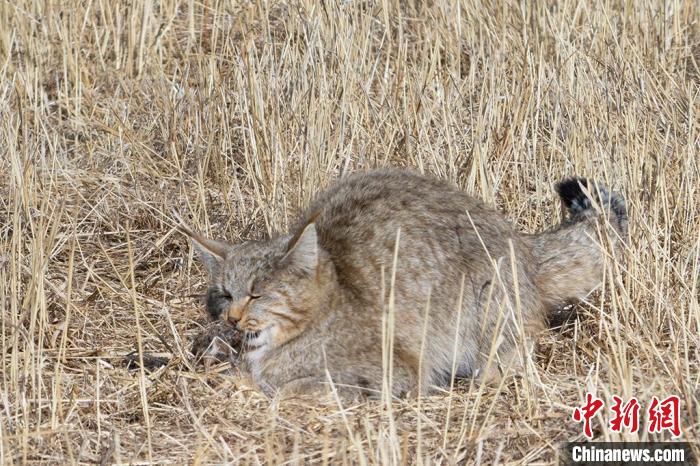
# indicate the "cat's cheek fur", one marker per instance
pixel 276 337
pixel 281 334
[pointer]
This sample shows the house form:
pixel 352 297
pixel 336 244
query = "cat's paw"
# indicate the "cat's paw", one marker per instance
pixel 217 342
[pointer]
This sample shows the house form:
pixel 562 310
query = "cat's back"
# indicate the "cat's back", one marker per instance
pixel 374 194
pixel 381 200
pixel 357 219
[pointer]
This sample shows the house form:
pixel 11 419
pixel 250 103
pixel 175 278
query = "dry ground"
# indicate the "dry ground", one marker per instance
pixel 113 113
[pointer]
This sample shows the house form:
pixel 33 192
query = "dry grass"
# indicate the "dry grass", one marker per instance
pixel 112 113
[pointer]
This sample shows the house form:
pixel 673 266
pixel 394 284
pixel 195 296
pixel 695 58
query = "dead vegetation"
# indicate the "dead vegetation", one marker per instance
pixel 113 113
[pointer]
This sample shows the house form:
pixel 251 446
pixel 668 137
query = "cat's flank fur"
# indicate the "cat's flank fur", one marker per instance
pixel 318 304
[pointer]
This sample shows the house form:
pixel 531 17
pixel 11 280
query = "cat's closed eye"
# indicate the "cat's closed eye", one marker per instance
pixel 253 291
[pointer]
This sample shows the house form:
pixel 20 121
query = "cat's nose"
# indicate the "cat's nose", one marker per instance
pixel 232 320
pixel 235 312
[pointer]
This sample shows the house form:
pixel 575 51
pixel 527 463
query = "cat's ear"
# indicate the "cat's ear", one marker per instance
pixel 302 252
pixel 211 252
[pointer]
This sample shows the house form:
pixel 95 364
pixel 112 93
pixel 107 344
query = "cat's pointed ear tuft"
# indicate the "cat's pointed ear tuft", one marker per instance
pixel 302 252
pixel 211 251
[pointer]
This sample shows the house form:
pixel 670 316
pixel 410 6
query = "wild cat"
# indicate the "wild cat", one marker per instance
pixel 394 253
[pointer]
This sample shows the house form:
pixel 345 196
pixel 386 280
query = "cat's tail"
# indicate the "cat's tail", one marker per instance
pixel 570 257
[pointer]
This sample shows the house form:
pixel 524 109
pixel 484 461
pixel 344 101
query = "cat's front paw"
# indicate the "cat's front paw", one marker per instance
pixel 218 342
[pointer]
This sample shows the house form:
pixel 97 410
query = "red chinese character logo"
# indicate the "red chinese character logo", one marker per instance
pixel 665 415
pixel 626 415
pixel 586 412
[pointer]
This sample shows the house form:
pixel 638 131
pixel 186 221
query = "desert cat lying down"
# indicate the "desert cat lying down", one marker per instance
pixel 316 302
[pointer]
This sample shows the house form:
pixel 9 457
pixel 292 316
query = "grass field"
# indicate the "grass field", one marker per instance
pixel 235 113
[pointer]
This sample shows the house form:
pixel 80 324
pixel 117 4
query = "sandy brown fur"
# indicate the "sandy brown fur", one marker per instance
pixel 321 296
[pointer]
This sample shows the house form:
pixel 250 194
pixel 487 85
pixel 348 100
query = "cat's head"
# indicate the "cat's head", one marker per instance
pixel 270 289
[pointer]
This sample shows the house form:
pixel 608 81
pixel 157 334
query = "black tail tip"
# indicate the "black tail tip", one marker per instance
pixel 576 201
pixel 572 195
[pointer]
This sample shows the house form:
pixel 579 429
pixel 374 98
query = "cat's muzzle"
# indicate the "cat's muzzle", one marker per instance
pixel 251 338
